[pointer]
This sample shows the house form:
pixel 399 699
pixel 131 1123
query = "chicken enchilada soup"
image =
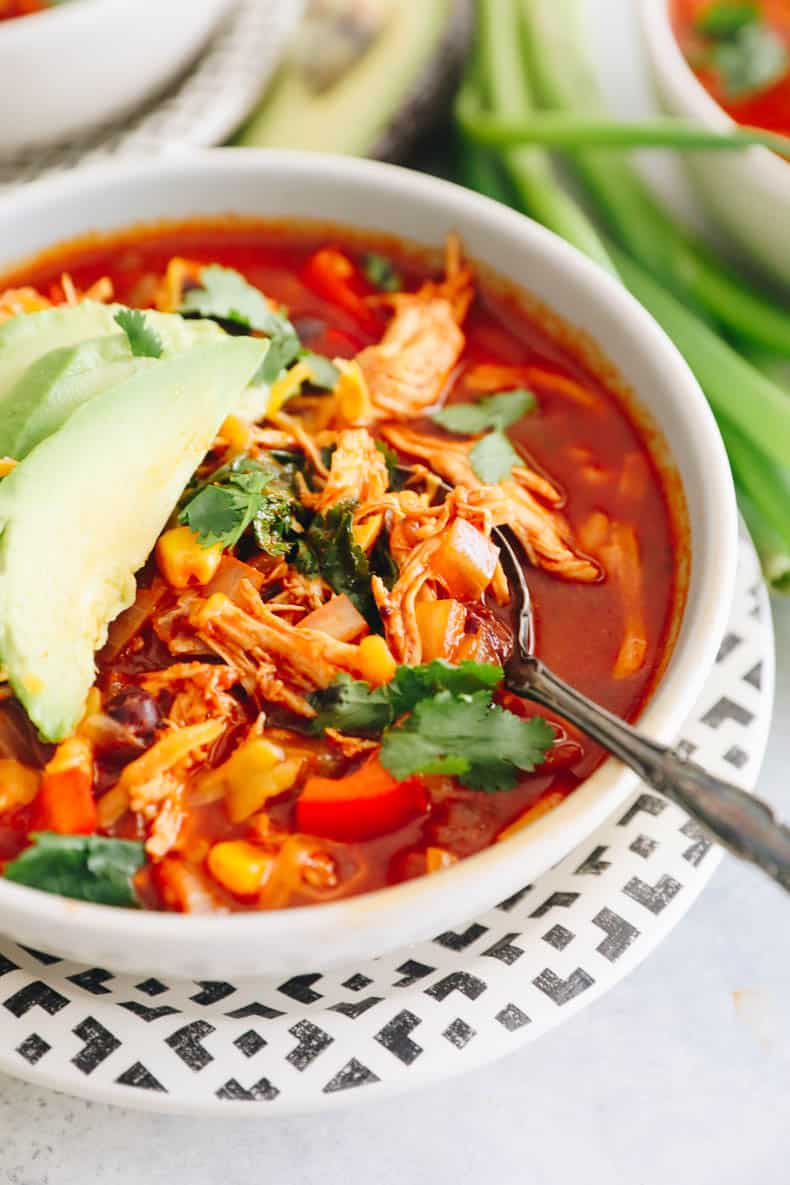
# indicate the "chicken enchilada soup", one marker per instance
pixel 251 645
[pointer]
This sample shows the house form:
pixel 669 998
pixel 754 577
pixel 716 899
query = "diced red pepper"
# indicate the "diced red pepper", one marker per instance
pixel 361 806
pixel 65 803
pixel 333 276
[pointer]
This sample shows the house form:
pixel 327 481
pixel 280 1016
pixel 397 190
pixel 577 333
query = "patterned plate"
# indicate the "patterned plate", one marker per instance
pixel 421 1014
pixel 203 109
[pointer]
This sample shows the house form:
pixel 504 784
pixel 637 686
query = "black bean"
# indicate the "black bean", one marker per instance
pixel 137 711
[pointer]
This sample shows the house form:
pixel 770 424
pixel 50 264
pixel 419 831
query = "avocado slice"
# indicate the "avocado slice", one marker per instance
pixel 393 92
pixel 81 514
pixel 24 339
pixel 59 382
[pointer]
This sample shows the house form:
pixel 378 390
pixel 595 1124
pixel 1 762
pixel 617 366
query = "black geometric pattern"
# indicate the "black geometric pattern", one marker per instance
pixel 486 984
pixel 395 1037
pixel 312 1041
pixel 644 846
pixel 459 1033
pixel 250 1043
pixel 33 1048
pixel 654 897
pixel 99 1044
pixel 187 1044
pixel 558 937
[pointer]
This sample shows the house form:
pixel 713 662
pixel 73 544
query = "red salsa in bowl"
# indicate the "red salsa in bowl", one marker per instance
pixel 740 52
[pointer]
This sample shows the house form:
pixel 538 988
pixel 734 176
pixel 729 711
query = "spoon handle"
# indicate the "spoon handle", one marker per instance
pixel 739 821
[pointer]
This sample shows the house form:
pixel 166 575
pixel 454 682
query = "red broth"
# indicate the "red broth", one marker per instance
pixel 594 448
pixel 767 108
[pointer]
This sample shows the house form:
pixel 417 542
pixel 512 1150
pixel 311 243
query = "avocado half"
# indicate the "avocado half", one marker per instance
pixel 391 95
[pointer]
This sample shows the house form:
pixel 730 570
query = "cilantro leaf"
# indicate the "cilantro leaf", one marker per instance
pixel 225 295
pixel 453 726
pixel 332 549
pixel 752 60
pixel 724 18
pixel 493 457
pixel 381 272
pixel 493 411
pixel 272 523
pixel 283 349
pixel 353 707
pixel 144 341
pixel 324 372
pixel 86 867
pixel 234 498
pixel 483 745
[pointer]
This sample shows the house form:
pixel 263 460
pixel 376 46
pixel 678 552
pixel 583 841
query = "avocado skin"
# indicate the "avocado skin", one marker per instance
pixel 82 512
pixel 430 100
pixel 405 110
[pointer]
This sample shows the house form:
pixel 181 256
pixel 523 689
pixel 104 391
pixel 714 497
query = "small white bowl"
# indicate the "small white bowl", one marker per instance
pixel 747 193
pixel 77 66
pixel 376 197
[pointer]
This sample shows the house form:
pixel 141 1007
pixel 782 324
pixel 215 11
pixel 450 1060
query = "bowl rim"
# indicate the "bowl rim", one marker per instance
pixel 673 697
pixel 58 19
pixel 670 64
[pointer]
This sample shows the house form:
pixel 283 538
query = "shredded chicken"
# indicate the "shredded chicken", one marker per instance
pixel 358 471
pixel 543 533
pixel 407 371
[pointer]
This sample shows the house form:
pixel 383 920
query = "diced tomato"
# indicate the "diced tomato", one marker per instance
pixel 361 806
pixel 65 803
pixel 333 276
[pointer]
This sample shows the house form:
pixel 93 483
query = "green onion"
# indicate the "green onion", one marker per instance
pixel 753 412
pixel 506 87
pixel 564 81
pixel 558 129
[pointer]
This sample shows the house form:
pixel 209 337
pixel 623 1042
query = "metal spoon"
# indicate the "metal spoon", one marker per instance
pixel 740 822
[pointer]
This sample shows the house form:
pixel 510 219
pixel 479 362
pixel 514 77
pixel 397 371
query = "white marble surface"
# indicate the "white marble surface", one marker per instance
pixel 662 1082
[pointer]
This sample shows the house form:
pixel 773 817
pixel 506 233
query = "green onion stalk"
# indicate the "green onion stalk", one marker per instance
pixel 530 52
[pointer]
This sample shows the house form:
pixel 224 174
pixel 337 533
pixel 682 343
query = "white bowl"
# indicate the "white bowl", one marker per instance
pixel 747 193
pixel 368 195
pixel 74 67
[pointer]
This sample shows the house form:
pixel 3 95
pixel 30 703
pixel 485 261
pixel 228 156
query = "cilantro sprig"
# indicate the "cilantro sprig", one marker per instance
pixel 144 341
pixel 492 411
pixel 329 549
pixel 86 867
pixel 439 718
pixel 493 456
pixel 745 52
pixel 381 272
pixel 237 496
pixel 224 295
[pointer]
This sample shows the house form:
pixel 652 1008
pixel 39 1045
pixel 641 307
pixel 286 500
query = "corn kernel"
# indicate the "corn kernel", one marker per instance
pixel 239 866
pixel 438 858
pixel 288 385
pixel 236 433
pixel 181 559
pixel 6 465
pixel 76 752
pixel 375 660
pixel 18 784
pixel 352 398
pixel 366 533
